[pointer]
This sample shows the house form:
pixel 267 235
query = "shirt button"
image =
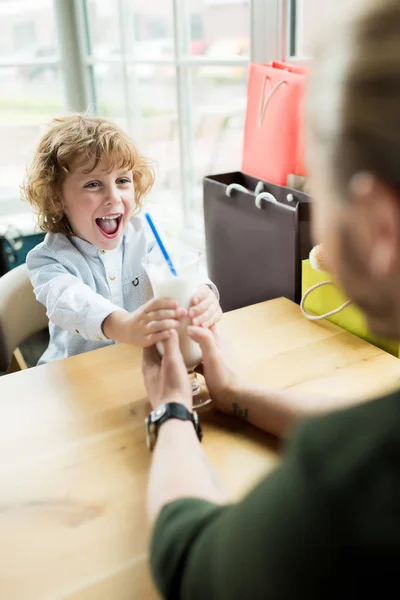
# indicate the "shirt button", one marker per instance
pixel 103 251
pixel 135 282
pixel 112 277
pixel 76 330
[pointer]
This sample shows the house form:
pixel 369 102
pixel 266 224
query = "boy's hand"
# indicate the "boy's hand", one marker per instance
pixel 148 325
pixel 204 309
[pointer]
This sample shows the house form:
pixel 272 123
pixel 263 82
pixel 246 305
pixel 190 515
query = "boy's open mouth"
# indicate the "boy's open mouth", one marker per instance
pixel 109 225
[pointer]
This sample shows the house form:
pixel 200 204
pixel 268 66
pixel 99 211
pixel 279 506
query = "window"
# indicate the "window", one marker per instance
pixel 24 35
pixel 171 72
pixel 306 18
pixel 197 29
pixel 31 88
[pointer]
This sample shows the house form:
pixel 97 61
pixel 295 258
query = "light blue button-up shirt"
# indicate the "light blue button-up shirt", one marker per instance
pixel 81 285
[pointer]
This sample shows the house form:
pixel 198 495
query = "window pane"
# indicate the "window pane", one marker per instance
pixel 148 29
pixel 217 123
pixel 103 25
pixel 219 29
pixel 154 127
pixel 311 16
pixel 27 29
pixel 30 97
pixel 109 91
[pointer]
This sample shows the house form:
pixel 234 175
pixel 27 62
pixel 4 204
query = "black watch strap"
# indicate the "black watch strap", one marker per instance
pixel 171 410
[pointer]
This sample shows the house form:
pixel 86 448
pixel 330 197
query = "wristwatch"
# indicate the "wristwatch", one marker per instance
pixel 171 410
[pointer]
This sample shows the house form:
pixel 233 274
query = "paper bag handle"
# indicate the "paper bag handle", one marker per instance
pixel 237 187
pixel 264 196
pixel 265 101
pixel 260 187
pixel 240 188
pixel 326 315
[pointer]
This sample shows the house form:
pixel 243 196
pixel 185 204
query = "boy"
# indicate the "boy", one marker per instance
pixel 86 181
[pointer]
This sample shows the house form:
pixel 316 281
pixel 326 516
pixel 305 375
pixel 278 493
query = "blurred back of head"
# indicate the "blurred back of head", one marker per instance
pixel 354 96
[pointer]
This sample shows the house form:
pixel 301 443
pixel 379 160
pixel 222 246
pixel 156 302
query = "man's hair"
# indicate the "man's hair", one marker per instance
pixel 354 96
pixel 74 140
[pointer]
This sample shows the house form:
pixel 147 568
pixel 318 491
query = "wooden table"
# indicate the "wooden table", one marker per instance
pixel 74 465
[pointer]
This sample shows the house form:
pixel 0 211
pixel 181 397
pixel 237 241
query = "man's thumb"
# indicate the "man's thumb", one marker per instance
pixel 171 344
pixel 205 339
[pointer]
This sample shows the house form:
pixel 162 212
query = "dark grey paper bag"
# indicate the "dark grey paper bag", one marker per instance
pixel 257 234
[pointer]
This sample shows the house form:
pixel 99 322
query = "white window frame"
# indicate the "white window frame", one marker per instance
pixel 293 29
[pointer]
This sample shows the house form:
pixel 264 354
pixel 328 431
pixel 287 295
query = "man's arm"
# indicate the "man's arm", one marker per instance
pixel 274 540
pixel 274 411
pixel 180 468
pixel 279 542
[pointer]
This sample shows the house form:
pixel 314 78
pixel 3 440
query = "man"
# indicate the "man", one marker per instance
pixel 326 523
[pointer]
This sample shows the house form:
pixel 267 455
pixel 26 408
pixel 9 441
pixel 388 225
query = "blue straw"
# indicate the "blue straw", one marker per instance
pixel 161 245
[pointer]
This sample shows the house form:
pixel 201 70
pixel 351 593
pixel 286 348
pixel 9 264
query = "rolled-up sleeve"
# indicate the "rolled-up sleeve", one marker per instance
pixel 70 303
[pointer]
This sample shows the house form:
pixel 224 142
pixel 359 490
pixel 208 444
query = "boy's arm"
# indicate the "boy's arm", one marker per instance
pixel 70 303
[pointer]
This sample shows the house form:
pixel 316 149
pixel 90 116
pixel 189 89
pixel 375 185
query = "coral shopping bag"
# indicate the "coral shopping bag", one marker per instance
pixel 273 137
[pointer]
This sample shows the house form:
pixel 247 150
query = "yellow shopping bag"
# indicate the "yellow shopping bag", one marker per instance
pixel 326 299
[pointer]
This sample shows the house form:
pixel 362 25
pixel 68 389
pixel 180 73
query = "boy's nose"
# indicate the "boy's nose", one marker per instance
pixel 113 196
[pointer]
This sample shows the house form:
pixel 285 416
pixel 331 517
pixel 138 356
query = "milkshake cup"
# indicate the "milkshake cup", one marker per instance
pixel 181 288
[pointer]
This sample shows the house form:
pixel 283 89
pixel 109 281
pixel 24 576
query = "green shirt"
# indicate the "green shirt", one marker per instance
pixel 325 524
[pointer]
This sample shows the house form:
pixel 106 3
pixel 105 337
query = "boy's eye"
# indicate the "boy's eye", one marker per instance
pixel 123 180
pixel 92 185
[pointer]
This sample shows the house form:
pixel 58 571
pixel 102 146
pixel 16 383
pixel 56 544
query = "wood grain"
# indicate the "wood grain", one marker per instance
pixel 74 465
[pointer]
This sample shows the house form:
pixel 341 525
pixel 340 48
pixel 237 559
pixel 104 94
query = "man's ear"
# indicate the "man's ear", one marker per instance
pixel 377 206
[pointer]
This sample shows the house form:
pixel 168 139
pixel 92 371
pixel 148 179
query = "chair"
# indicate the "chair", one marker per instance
pixel 21 315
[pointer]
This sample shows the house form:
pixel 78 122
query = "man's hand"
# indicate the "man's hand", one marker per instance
pixel 148 325
pixel 204 309
pixel 166 377
pixel 221 379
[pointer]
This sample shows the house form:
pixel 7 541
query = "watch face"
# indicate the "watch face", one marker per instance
pixel 165 412
pixel 158 413
pixel 151 425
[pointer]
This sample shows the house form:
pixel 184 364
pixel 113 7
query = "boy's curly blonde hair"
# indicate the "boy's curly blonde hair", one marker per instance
pixel 75 139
